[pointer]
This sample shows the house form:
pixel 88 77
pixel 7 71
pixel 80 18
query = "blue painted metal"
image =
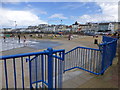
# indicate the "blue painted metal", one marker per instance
pixel 42 64
pixel 29 54
pixel 6 75
pixel 103 57
pixel 14 66
pixel 30 76
pixel 22 68
pixel 36 72
pixel 50 68
pixel 57 57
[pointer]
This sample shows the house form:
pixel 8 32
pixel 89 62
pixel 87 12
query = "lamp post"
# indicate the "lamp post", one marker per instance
pixel 15 24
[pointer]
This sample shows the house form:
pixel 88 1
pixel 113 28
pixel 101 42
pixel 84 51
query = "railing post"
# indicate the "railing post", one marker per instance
pixel 50 68
pixel 30 76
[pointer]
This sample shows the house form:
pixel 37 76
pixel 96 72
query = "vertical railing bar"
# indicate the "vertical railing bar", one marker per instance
pixel 77 56
pixel 56 71
pixel 45 68
pixel 30 76
pixel 89 56
pixel 80 57
pixel 94 52
pixel 74 57
pixel 98 62
pixel 61 69
pixel 91 60
pixel 42 59
pixel 71 59
pixel 5 66
pixel 72 54
pixel 36 72
pixel 14 66
pixel 22 66
pixel 83 58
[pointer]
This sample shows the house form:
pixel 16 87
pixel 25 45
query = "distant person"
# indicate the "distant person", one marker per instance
pixel 19 38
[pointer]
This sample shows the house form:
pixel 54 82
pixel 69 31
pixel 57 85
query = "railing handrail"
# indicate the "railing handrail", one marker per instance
pixel 82 48
pixel 28 54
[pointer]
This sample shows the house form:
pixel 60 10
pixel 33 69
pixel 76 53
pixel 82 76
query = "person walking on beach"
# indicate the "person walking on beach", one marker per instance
pixel 19 38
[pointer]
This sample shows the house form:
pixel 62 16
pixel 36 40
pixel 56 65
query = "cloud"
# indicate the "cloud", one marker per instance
pixel 29 7
pixel 60 0
pixel 109 13
pixel 22 18
pixel 60 16
pixel 95 18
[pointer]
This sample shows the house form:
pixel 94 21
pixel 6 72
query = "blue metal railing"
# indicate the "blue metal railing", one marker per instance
pixel 45 69
pixel 88 59
pixel 92 60
pixel 108 48
pixel 38 72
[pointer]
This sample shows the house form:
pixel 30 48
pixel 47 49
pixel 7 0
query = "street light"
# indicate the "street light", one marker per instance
pixel 15 24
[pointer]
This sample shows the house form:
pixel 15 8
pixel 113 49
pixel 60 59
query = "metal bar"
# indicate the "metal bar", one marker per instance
pixel 83 57
pixel 5 66
pixel 103 57
pixel 61 71
pixel 45 68
pixel 42 59
pixel 82 48
pixel 57 57
pixel 56 71
pixel 50 69
pixel 30 76
pixel 36 67
pixel 28 54
pixel 22 68
pixel 14 66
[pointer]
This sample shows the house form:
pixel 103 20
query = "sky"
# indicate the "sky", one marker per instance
pixel 23 14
